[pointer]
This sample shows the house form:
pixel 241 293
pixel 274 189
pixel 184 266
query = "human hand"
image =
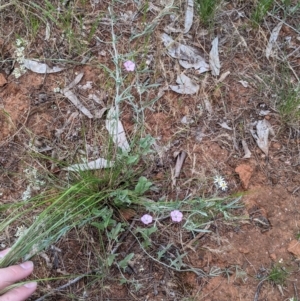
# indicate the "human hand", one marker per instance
pixel 12 274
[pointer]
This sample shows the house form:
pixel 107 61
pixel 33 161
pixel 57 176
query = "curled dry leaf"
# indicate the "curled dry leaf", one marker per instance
pixel 273 38
pixel 47 32
pixel 246 150
pixel 208 105
pixel 224 125
pixel 223 76
pixel 92 165
pixel 74 83
pixel 263 128
pixel 179 163
pixel 73 98
pixel 189 14
pixel 76 102
pixel 264 112
pixel 127 213
pixel 189 57
pixel 186 120
pixel 244 83
pixel 116 129
pixel 100 113
pixel 214 60
pixel 185 85
pixel 41 68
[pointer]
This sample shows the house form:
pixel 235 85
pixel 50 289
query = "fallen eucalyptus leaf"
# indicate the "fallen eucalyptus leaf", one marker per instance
pixel 179 163
pixel 208 105
pixel 273 38
pixel 73 98
pixel 244 83
pixel 87 86
pixel 187 120
pixel 99 114
pixel 261 135
pixel 246 150
pixel 189 57
pixel 116 129
pixel 223 76
pixel 47 32
pixel 76 102
pixel 96 164
pixel 75 82
pixel 214 61
pixel 41 68
pixel 224 125
pixel 189 14
pixel 264 112
pixel 185 85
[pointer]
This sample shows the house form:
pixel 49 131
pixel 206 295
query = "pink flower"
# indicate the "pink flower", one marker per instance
pixel 129 66
pixel 176 216
pixel 146 219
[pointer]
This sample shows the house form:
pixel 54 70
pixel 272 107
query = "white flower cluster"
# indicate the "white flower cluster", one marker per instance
pixel 34 183
pixel 220 182
pixel 19 53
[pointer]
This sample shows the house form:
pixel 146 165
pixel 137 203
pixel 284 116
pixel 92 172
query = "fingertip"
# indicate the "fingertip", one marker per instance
pixel 4 252
pixel 20 293
pixel 27 265
pixel 31 285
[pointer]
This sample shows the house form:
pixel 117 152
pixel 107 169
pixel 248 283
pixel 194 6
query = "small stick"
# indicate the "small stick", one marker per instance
pixel 258 289
pixel 296 294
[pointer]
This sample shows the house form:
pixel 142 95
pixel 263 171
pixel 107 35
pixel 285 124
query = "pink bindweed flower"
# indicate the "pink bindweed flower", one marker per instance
pixel 146 219
pixel 129 66
pixel 176 216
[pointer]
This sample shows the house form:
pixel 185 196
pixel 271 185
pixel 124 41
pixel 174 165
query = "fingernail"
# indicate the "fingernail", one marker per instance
pixel 30 284
pixel 26 265
pixel 4 252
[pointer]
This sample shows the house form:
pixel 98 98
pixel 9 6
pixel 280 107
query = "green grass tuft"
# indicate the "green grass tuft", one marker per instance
pixel 260 11
pixel 206 10
pixel 278 275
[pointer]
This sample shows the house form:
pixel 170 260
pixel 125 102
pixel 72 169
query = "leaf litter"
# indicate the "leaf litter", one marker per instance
pixel 261 135
pixel 92 165
pixel 73 98
pixel 116 129
pixel 189 57
pixel 189 14
pixel 273 39
pixel 40 68
pixel 185 85
pixel 246 150
pixel 214 60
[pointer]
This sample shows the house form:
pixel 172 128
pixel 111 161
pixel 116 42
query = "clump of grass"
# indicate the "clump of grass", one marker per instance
pixel 260 10
pixel 206 10
pixel 288 97
pixel 289 107
pixel 278 275
pixel 89 197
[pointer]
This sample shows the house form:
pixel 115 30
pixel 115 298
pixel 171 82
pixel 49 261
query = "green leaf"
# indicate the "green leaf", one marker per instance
pixel 124 263
pixel 132 159
pixel 142 186
pixel 110 259
pixel 161 253
pixel 146 143
pixel 115 232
